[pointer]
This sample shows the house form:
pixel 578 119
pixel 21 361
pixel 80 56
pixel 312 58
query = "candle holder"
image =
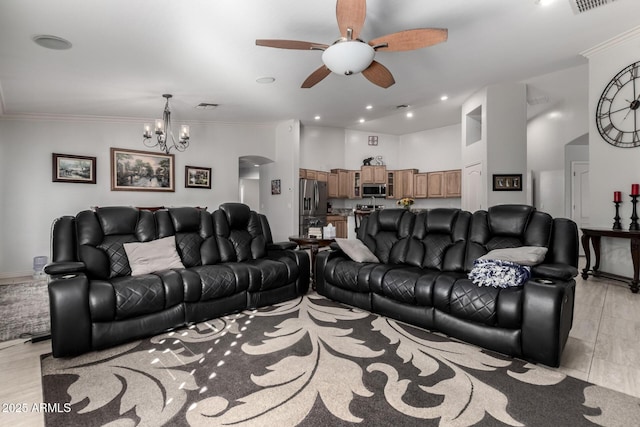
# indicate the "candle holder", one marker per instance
pixel 634 226
pixel 616 219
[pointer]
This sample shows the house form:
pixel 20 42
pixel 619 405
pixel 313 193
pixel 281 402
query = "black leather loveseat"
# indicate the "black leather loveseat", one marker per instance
pixel 422 276
pixel 228 264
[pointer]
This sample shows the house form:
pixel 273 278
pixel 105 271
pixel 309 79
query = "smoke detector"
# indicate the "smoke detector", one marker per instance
pixel 581 6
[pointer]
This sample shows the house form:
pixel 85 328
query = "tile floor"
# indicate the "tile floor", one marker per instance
pixel 603 348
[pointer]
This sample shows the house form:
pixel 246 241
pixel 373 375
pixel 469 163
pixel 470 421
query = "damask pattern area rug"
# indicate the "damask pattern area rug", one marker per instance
pixel 314 362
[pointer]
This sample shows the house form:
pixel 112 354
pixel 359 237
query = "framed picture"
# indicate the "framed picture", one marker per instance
pixel 275 186
pixel 512 182
pixel 133 170
pixel 77 169
pixel 197 177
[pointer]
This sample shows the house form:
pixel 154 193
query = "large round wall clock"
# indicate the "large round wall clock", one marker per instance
pixel 618 113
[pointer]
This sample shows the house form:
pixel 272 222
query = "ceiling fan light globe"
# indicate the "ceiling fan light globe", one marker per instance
pixel 348 57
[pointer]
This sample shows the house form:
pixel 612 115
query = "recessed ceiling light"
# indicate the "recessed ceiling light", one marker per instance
pixel 51 42
pixel 361 120
pixel 544 2
pixel 369 107
pixel 317 117
pixel 444 98
pixel 409 114
pixel 265 80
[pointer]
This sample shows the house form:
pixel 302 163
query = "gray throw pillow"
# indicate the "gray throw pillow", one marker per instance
pixel 156 255
pixel 524 255
pixel 356 250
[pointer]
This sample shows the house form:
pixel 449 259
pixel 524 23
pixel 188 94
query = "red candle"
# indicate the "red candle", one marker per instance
pixel 617 196
pixel 635 189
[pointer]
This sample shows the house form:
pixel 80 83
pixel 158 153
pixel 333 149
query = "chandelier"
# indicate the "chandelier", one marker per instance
pixel 163 132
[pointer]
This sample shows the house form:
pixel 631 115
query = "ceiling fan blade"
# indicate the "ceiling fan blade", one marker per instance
pixel 379 75
pixel 316 77
pixel 410 39
pixel 351 14
pixel 291 44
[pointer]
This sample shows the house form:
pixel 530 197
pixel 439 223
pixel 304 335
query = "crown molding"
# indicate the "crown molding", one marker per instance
pixel 615 41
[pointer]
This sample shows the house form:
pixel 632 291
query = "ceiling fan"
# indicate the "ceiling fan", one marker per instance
pixel 350 55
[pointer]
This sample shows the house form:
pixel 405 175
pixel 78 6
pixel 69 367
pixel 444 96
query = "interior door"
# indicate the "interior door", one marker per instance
pixel 580 195
pixel 473 190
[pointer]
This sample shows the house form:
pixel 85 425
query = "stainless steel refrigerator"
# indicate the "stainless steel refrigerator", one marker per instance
pixel 313 204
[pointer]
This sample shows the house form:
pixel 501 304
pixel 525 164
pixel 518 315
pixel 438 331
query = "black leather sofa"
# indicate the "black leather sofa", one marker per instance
pixel 422 277
pixel 230 264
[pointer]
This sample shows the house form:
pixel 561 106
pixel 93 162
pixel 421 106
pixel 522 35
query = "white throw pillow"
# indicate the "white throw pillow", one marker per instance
pixel 524 255
pixel 356 250
pixel 156 255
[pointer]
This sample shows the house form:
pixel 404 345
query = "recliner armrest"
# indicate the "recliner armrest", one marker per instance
pixel 281 246
pixel 70 316
pixel 64 267
pixel 561 272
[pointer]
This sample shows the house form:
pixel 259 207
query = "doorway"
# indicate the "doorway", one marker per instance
pixel 249 180
pixel 580 199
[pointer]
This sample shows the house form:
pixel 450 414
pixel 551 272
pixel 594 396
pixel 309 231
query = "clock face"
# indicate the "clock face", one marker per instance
pixel 618 113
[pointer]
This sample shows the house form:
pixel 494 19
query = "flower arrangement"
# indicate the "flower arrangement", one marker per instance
pixel 405 202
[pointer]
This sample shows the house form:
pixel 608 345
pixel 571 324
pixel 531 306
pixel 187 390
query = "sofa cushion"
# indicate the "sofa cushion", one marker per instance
pixel 356 250
pixel 156 255
pixel 138 295
pixel 523 255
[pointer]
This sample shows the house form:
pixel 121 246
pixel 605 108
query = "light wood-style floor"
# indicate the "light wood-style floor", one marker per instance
pixel 603 348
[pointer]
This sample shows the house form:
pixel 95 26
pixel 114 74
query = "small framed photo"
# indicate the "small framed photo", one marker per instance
pixel 507 182
pixel 133 170
pixel 373 140
pixel 197 177
pixel 275 186
pixel 76 169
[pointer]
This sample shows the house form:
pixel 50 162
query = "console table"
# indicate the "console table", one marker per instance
pixel 314 244
pixel 594 235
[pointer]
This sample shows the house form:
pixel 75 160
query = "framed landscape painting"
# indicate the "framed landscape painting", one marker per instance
pixel 76 169
pixel 133 170
pixel 197 177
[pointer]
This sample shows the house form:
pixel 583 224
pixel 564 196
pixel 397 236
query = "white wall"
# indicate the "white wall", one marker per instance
pixel 250 193
pixel 282 209
pixel 559 122
pixel 611 168
pixel 30 200
pixel 321 148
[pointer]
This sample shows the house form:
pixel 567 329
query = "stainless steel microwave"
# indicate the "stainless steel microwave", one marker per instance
pixel 374 190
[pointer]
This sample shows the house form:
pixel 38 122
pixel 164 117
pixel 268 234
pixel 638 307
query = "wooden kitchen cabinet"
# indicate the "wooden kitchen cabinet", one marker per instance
pixel 344 182
pixel 420 181
pixel 322 176
pixel 444 183
pixel 332 186
pixel 435 187
pixel 355 189
pixel 340 223
pixel 404 183
pixel 453 183
pixel 374 174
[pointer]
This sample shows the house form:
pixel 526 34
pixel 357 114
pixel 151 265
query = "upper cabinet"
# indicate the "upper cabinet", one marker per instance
pixel 347 184
pixel 374 174
pixel 453 183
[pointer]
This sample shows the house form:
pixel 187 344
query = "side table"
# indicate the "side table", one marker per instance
pixel 314 244
pixel 593 235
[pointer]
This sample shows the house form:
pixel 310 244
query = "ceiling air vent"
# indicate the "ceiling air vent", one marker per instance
pixel 206 106
pixel 581 6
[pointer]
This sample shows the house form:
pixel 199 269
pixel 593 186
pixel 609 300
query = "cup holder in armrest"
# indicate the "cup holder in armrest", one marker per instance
pixel 544 281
